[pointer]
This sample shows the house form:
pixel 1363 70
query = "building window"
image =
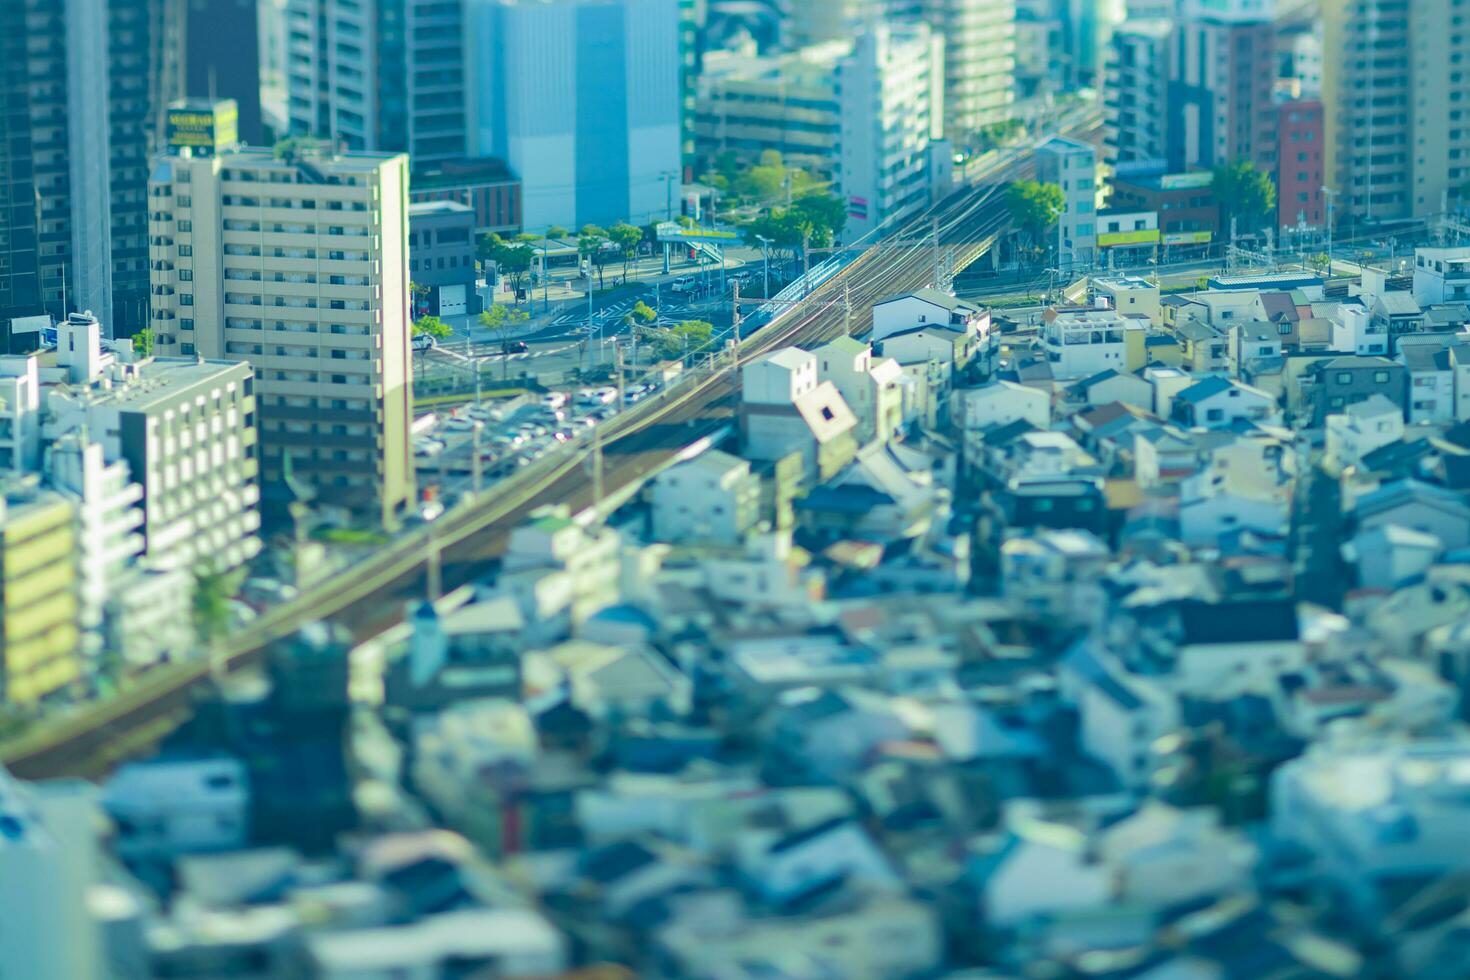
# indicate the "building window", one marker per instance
pixel 186 250
pixel 186 299
pixel 186 275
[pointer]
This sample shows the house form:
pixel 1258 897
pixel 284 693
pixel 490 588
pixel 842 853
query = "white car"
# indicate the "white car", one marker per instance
pixel 460 423
pixel 424 341
pixel 428 447
pixel 554 399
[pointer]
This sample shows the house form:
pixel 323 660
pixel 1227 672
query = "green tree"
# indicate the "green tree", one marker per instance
pixel 590 242
pixel 143 343
pixel 825 214
pixel 512 259
pixel 432 326
pixel 687 337
pixel 210 603
pixel 1244 193
pixel 501 321
pixel 627 238
pixel 556 231
pixel 1034 208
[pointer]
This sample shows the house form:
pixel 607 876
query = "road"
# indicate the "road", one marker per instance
pixel 837 298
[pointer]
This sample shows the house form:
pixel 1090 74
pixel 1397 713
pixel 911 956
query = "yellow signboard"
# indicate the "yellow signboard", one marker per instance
pixel 206 126
pixel 1143 236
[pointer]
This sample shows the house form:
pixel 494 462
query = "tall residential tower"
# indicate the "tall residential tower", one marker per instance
pixel 297 262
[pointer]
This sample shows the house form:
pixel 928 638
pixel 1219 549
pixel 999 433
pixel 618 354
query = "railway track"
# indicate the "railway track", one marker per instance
pixel 93 738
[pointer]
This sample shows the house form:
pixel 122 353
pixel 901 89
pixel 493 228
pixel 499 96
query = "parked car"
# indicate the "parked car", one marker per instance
pixel 423 342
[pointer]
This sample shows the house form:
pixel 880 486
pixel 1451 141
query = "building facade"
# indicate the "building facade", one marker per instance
pixel 1220 88
pixel 485 185
pixel 222 58
pixel 302 262
pixel 441 258
pixel 1402 151
pixel 891 98
pixel 379 75
pixel 1072 166
pixel 748 104
pixel 84 88
pixel 1300 165
pixel 1136 95
pixel 582 99
pixel 40 643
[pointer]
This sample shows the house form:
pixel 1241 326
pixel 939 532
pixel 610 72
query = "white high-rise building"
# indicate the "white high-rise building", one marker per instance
pixel 581 99
pixel 109 519
pixel 892 101
pixel 1072 166
pixel 979 62
pixel 297 263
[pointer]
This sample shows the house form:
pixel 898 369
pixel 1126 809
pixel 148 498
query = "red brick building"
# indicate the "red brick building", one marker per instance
pixel 1300 164
pixel 485 185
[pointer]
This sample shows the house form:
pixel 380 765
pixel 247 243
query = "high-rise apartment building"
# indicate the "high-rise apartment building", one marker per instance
pixel 979 62
pixel 379 75
pixel 891 100
pixel 581 99
pixel 1136 95
pixel 1220 106
pixel 222 58
pixel 297 262
pixel 1396 98
pixel 1072 166
pixel 82 91
pixel 40 642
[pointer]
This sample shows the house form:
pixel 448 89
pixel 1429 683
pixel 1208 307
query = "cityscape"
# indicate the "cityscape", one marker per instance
pixel 734 489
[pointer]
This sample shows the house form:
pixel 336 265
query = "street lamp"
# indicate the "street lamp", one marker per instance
pixel 766 251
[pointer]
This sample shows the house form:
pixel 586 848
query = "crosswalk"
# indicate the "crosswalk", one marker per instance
pixel 613 313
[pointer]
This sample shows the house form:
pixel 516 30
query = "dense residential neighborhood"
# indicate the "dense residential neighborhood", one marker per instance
pixel 644 488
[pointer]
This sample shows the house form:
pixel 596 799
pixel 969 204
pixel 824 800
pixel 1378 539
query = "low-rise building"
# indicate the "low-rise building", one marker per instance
pixel 872 387
pixel 1082 342
pixel 1218 402
pixel 441 258
pixel 186 429
pixel 713 497
pixel 40 589
pixel 1441 275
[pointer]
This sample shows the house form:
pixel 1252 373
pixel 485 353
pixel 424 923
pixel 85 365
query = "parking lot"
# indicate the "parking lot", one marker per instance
pixel 509 436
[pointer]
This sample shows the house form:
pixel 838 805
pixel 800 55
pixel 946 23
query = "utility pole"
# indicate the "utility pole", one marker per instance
pixel 618 372
pixel 766 251
pixel 597 466
pixel 434 581
pixel 668 178
pixel 934 235
pixel 475 464
pixel 847 309
pixel 1329 193
pixel 735 319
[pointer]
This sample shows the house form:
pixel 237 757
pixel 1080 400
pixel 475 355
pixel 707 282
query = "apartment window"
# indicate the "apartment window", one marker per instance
pixel 186 250
pixel 1380 377
pixel 187 348
pixel 186 299
pixel 1344 377
pixel 186 226
pixel 186 275
pixel 185 201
